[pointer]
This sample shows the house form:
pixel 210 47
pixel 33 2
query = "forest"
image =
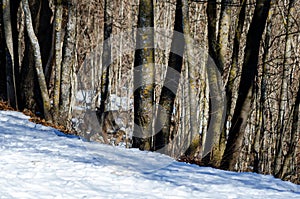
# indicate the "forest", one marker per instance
pixel 212 82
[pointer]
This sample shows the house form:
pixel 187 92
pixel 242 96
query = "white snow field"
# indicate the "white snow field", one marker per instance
pixel 40 162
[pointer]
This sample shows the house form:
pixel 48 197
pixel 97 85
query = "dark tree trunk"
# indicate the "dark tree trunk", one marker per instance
pixel 144 77
pixel 249 70
pixel 106 60
pixel 170 86
pixel 3 90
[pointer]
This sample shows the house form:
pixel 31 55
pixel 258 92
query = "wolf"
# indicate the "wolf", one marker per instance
pixel 109 127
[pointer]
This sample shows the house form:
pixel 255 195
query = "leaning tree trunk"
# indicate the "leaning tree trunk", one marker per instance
pixel 243 104
pixel 38 60
pixel 170 86
pixel 229 89
pixel 144 77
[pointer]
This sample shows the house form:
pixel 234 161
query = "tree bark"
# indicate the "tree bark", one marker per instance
pixel 283 107
pixel 106 60
pixel 38 60
pixel 243 104
pixel 68 66
pixel 58 59
pixel 218 45
pixel 170 86
pixel 190 133
pixel 10 61
pixel 144 77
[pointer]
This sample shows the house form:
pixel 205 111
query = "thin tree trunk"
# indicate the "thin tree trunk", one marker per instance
pixel 261 118
pixel 58 59
pixel 233 72
pixel 243 104
pixel 38 60
pixel 106 61
pixel 3 87
pixel 10 61
pixel 288 159
pixel 283 93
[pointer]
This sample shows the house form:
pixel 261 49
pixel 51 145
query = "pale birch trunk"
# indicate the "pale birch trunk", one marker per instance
pixel 10 61
pixel 38 60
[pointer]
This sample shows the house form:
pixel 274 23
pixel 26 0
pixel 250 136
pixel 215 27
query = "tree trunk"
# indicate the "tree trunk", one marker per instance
pixel 106 60
pixel 58 59
pixel 3 88
pixel 38 60
pixel 68 66
pixel 213 48
pixel 243 104
pixel 261 118
pixel 191 131
pixel 170 86
pixel 10 61
pixel 144 77
pixel 223 33
pixel 283 107
pixel 214 147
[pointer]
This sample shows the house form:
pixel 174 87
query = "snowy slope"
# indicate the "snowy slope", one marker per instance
pixel 40 162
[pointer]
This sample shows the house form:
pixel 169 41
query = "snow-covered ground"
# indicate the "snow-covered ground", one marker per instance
pixel 40 162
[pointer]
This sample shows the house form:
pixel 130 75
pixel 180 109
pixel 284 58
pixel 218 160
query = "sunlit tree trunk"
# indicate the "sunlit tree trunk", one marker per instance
pixel 58 58
pixel 68 66
pixel 191 131
pixel 30 97
pixel 144 77
pixel 218 47
pixel 223 32
pixel 38 60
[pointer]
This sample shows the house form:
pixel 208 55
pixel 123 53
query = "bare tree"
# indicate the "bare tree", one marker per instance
pixel 10 60
pixel 38 60
pixel 144 77
pixel 170 86
pixel 243 104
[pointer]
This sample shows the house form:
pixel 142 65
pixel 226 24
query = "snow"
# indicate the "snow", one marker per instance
pixel 40 162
